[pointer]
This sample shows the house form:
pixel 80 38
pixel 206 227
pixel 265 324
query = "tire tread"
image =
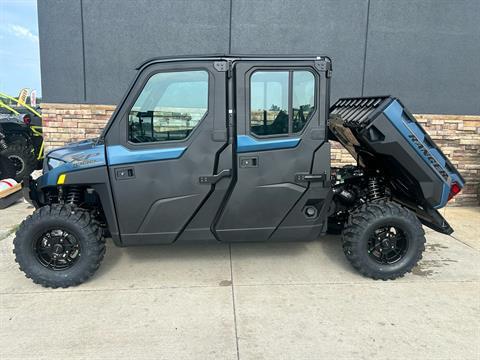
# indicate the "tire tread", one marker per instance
pixel 92 231
pixel 355 228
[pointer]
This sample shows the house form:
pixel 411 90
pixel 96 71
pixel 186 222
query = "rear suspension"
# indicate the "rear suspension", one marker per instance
pixel 375 189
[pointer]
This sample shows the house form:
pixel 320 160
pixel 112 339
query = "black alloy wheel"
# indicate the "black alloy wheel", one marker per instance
pixel 57 249
pixel 59 245
pixel 383 240
pixel 387 245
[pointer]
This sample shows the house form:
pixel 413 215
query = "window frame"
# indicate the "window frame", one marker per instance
pixel 151 143
pixel 290 71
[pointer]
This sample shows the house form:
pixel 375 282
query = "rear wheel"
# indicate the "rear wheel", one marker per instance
pixel 383 240
pixel 22 158
pixel 59 246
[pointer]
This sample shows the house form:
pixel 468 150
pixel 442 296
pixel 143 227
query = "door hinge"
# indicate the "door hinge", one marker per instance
pixel 213 179
pixel 324 65
pixel 223 66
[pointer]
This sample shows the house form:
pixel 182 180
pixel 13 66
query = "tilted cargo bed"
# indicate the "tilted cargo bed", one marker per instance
pixel 380 133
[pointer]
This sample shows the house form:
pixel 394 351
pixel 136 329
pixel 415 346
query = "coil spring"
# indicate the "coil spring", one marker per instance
pixel 73 196
pixel 375 189
pixel 51 198
pixel 3 145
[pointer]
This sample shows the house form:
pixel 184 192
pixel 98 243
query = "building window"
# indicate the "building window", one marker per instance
pixel 272 110
pixel 169 107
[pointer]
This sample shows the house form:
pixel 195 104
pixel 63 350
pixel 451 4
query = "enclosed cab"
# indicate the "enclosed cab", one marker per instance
pixel 222 149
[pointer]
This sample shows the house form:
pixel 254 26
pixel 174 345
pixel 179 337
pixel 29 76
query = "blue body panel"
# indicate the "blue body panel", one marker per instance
pixel 118 154
pixel 82 154
pixel 410 128
pixel 247 143
pixel 88 154
pixel 76 156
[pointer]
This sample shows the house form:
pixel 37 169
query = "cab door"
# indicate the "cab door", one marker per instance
pixel 163 148
pixel 280 143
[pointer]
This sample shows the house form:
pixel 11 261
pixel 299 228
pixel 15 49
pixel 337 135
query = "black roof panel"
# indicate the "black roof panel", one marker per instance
pixel 235 57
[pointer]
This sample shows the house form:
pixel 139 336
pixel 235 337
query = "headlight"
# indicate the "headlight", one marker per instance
pixel 53 163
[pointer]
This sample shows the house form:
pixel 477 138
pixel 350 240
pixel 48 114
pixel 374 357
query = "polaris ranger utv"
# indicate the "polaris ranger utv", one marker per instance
pixel 233 149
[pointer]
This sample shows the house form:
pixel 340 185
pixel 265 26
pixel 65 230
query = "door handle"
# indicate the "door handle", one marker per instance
pixel 248 161
pixel 124 173
pixel 213 179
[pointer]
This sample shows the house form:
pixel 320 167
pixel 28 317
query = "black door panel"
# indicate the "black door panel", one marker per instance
pixel 163 208
pixel 157 203
pixel 267 202
pixel 265 205
pixel 200 225
pixel 318 194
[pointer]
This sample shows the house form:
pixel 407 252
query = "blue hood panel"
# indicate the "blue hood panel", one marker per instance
pixel 77 156
pixel 81 154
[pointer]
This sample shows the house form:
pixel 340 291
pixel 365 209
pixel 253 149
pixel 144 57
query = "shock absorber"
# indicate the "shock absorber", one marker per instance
pixel 73 196
pixel 376 190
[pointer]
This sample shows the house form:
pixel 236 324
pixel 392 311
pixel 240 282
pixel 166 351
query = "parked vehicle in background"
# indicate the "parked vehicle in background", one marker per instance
pixel 7 170
pixel 24 145
pixel 22 129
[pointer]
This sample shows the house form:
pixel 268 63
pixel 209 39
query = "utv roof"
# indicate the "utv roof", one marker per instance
pixel 233 57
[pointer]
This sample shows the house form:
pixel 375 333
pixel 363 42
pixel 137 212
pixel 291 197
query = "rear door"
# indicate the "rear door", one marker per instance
pixel 164 146
pixel 281 136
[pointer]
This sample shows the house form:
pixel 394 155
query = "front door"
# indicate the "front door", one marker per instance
pixel 164 147
pixel 281 136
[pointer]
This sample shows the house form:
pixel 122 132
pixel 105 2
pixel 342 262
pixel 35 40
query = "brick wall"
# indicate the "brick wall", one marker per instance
pixel 63 123
pixel 458 137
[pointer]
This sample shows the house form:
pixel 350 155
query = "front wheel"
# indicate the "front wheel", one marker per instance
pixel 59 246
pixel 383 240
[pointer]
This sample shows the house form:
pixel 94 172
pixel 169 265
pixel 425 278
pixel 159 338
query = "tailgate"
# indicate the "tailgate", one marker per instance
pixel 380 133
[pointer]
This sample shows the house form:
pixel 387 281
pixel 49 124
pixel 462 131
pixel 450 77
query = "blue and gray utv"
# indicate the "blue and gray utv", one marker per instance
pixel 231 149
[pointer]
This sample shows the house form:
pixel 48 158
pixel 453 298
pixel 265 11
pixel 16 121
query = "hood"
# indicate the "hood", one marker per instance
pixel 81 154
pixel 73 157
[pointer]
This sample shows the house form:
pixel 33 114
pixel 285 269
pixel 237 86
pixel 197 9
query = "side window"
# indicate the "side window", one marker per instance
pixel 272 110
pixel 303 102
pixel 269 102
pixel 169 107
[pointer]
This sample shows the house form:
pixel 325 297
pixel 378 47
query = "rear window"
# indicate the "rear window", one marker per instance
pixel 281 102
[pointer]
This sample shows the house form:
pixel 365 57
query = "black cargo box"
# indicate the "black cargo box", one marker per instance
pixel 379 132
